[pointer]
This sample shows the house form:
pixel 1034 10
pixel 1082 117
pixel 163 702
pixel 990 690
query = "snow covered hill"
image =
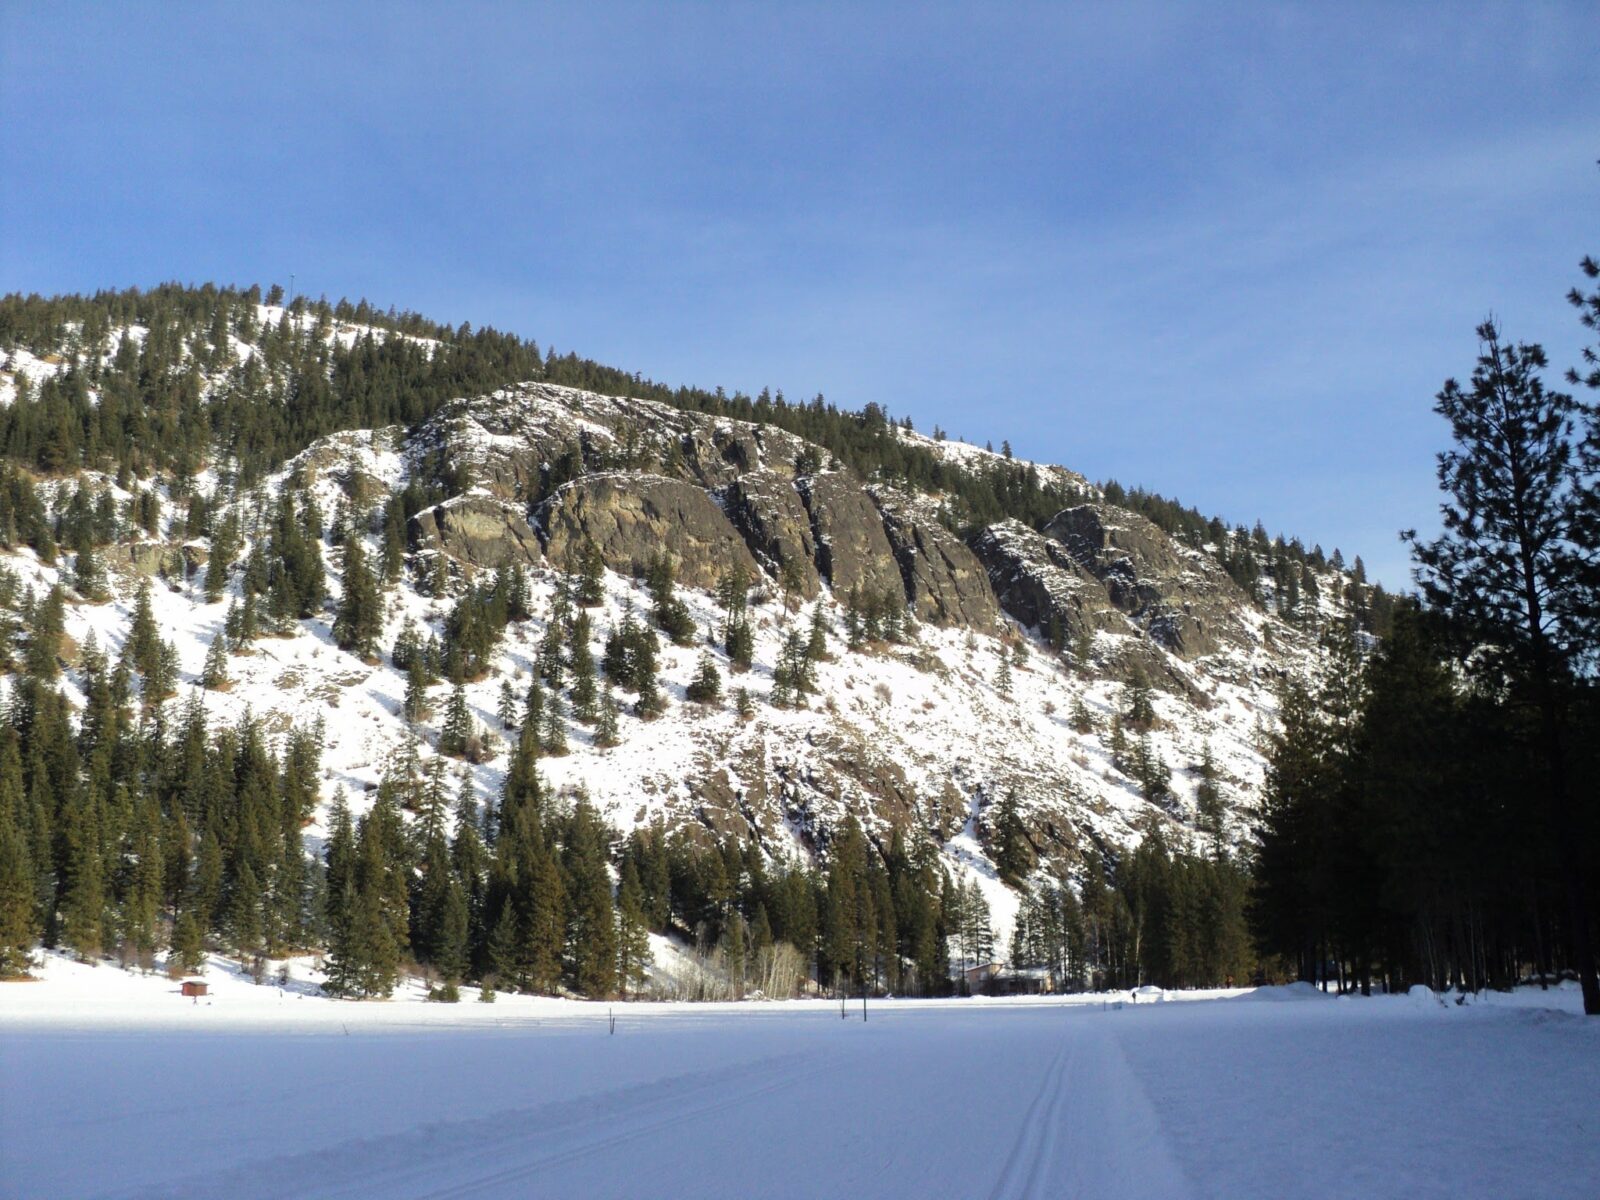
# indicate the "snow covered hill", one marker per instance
pixel 1010 678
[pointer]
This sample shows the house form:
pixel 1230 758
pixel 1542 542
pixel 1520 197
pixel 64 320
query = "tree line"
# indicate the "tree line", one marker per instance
pixel 185 392
pixel 1430 813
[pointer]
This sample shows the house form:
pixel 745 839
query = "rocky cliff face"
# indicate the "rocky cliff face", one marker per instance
pixel 631 518
pixel 1179 596
pixel 919 736
pixel 945 582
pixel 1007 680
pixel 853 551
pixel 479 530
pixel 770 512
pixel 1043 586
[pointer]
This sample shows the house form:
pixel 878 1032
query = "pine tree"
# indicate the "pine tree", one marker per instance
pixel 817 635
pixel 1002 679
pixel 542 923
pixel 18 928
pixel 89 574
pixel 244 912
pixel 669 612
pixel 359 621
pixel 83 903
pixel 1208 795
pixel 369 948
pixel 44 642
pixel 581 662
pixel 533 708
pixel 738 639
pixel 452 933
pixel 506 710
pixel 214 675
pixel 1119 744
pixel 367 902
pixel 1152 772
pixel 1013 855
pixel 706 686
pixel 188 950
pixel 553 734
pixel 633 939
pixel 591 590
pixel 161 683
pixel 1138 703
pixel 415 705
pixel 793 676
pixel 605 730
pixel 791 583
pixel 1514 567
pixel 550 665
pixel 502 950
pixel 143 883
pixel 1083 649
pixel 143 648
pixel 457 727
pixel 248 625
pixel 592 928
pixel 224 549
pixel 205 889
pixel 651 702
pixel 1079 716
pixel 630 654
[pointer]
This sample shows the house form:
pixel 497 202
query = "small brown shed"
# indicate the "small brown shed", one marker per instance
pixel 194 987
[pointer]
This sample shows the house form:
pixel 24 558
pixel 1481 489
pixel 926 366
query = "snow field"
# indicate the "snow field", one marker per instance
pixel 114 1086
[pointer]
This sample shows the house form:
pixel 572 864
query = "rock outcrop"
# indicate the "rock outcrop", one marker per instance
pixel 945 581
pixel 852 548
pixel 477 529
pixel 1042 585
pixel 1185 601
pixel 146 558
pixel 520 442
pixel 632 518
pixel 769 512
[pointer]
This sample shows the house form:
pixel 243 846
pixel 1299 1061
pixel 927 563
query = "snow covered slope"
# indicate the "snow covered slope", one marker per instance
pixel 1008 685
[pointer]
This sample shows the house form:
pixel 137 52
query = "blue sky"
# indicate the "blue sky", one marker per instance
pixel 1227 251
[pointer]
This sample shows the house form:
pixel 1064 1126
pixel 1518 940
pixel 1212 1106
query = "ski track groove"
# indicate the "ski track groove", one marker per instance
pixel 469 1138
pixel 576 1153
pixel 1032 1152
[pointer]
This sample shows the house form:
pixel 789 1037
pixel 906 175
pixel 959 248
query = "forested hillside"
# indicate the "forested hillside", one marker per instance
pixel 337 632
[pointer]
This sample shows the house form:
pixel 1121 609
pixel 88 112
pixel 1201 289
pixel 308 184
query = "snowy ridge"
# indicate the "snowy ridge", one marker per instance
pixel 929 717
pixel 926 735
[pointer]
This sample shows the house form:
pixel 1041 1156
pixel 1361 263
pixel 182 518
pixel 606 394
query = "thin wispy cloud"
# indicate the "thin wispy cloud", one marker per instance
pixel 1228 253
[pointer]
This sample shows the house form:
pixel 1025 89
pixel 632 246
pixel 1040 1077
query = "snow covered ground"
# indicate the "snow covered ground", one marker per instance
pixel 116 1086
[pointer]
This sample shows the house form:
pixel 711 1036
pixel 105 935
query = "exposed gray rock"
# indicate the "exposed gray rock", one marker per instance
pixel 1041 584
pixel 852 548
pixel 145 558
pixel 945 581
pixel 768 511
pixel 512 440
pixel 1183 599
pixel 632 518
pixel 477 529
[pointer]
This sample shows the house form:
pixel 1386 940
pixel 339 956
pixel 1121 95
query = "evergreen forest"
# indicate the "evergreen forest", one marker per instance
pixel 1429 813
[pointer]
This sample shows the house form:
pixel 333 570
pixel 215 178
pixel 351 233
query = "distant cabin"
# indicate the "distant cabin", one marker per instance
pixel 194 987
pixel 997 979
pixel 982 975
